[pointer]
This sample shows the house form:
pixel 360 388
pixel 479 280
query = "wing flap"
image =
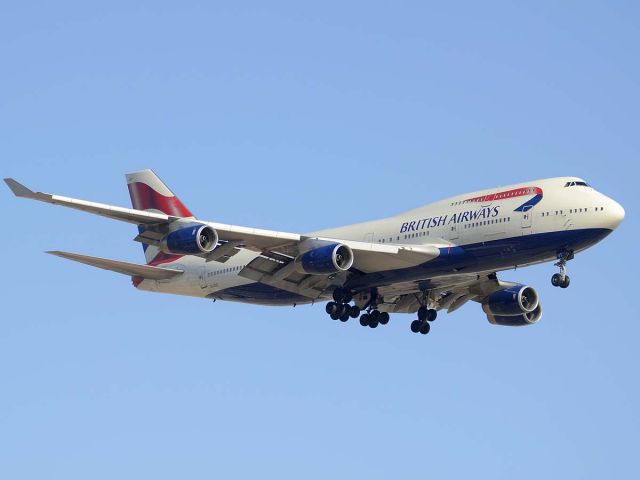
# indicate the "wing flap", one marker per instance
pixel 125 268
pixel 270 272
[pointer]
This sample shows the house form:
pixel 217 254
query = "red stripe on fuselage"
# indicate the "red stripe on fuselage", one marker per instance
pixel 143 197
pixel 516 192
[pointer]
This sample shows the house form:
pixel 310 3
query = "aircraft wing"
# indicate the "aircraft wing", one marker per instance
pixel 275 265
pixel 126 268
pixel 448 292
pixel 138 217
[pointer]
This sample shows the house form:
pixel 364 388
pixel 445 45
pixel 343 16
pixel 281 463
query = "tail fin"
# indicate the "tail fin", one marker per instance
pixel 148 192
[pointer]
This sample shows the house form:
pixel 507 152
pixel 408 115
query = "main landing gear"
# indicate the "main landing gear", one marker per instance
pixel 374 318
pixel 425 315
pixel 561 279
pixel 341 309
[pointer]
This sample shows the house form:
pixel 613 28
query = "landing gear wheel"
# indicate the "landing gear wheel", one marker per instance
pixel 346 296
pixel 384 318
pixel 562 279
pixel 431 316
pixel 364 319
pixel 331 307
pixel 338 295
pixel 423 311
pixel 334 316
pixel 355 311
pixel 373 322
pixel 415 326
pixel 344 316
pixel 424 328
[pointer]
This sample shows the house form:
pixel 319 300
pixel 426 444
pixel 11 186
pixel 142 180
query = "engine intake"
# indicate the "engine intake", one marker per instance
pixel 513 306
pixel 192 240
pixel 511 301
pixel 528 318
pixel 325 260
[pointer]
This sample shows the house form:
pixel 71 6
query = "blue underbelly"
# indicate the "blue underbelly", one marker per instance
pixel 260 294
pixel 496 255
pixel 476 257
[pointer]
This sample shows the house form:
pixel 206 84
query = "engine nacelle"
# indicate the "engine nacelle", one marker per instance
pixel 325 260
pixel 513 306
pixel 191 240
pixel 514 300
pixel 528 318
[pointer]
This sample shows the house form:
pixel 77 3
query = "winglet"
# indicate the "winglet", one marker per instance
pixel 18 189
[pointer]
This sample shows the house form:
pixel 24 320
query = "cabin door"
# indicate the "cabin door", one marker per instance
pixel 527 218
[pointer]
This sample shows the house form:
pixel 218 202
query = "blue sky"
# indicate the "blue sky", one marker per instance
pixel 299 117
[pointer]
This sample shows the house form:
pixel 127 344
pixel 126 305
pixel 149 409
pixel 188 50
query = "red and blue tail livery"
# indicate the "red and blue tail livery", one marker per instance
pixel 435 258
pixel 149 193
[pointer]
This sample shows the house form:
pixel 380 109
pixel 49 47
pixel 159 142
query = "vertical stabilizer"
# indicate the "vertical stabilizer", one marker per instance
pixel 148 192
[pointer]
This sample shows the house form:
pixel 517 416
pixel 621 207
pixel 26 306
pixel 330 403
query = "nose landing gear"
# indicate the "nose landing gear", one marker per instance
pixel 561 279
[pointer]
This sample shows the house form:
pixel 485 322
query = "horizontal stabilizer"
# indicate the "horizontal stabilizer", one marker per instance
pixel 126 268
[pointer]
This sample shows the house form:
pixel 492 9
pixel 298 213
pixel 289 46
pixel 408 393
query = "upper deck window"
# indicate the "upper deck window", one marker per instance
pixel 576 184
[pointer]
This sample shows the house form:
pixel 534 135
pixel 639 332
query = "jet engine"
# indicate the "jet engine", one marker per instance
pixel 325 260
pixel 191 240
pixel 513 306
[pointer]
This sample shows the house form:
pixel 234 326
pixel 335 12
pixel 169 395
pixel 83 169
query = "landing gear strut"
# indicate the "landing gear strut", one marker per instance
pixel 561 279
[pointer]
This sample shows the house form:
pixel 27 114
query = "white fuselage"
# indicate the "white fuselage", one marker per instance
pixel 551 206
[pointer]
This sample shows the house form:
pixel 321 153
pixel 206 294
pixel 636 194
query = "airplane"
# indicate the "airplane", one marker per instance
pixel 436 257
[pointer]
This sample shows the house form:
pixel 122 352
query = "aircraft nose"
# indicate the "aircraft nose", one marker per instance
pixel 615 214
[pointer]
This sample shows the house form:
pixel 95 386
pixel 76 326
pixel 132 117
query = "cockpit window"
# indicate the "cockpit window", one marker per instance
pixel 576 184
